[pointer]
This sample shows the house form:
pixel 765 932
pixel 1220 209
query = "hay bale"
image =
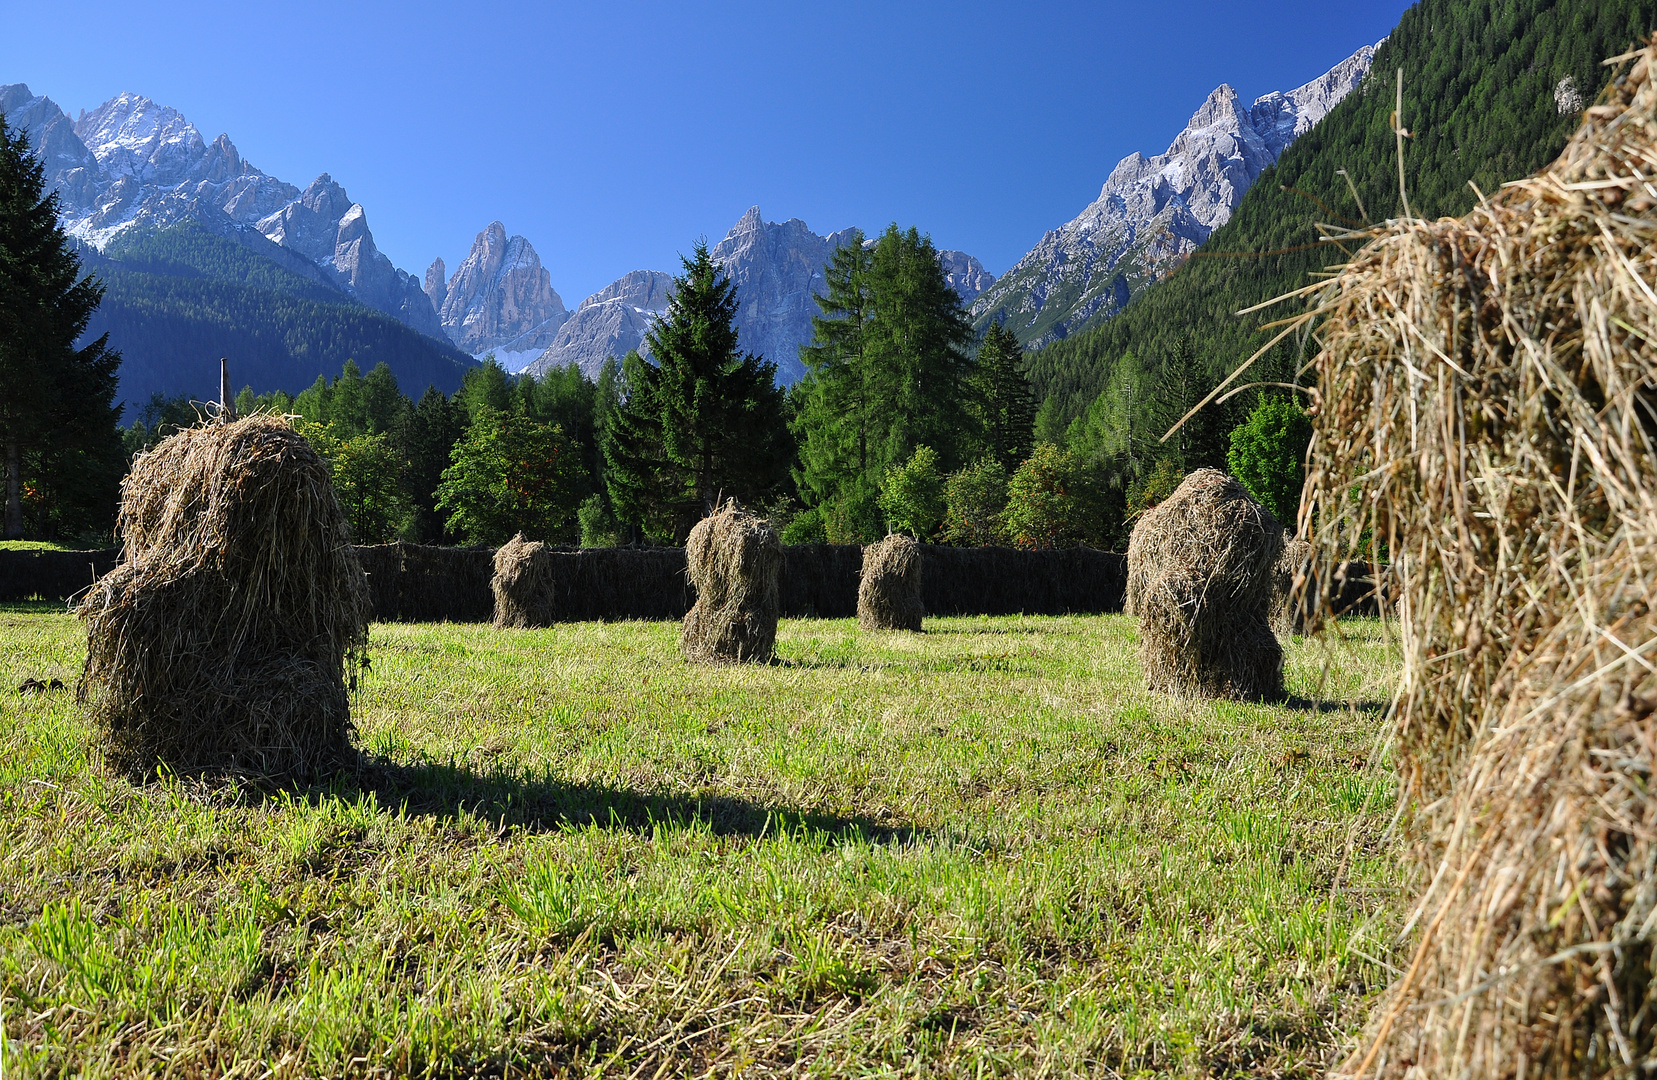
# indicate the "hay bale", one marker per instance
pixel 523 585
pixel 225 640
pixel 1291 584
pixel 889 585
pixel 734 560
pixel 1490 381
pixel 1200 580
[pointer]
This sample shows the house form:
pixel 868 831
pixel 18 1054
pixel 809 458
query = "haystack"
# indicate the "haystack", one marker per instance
pixel 1200 580
pixel 889 586
pixel 734 560
pixel 1491 382
pixel 1292 588
pixel 226 638
pixel 523 584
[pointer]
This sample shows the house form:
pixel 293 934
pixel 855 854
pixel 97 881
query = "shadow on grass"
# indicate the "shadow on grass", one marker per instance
pixel 1313 705
pixel 541 804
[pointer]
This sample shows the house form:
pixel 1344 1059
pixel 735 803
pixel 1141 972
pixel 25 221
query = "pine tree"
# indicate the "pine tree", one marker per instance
pixel 707 421
pixel 57 412
pixel 1009 405
pixel 427 438
pixel 835 411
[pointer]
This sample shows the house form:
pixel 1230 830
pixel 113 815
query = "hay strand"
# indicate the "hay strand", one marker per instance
pixel 225 639
pixel 1489 390
pixel 889 585
pixel 523 585
pixel 1200 581
pixel 734 560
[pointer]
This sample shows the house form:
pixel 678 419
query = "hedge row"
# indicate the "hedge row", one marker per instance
pixel 412 583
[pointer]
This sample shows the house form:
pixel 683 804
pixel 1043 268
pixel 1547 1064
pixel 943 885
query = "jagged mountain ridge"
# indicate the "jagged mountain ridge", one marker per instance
pixel 132 163
pixel 1151 212
pixel 500 299
pixel 777 268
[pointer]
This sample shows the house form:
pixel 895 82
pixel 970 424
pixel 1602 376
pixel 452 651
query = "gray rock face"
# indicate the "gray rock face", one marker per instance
pixel 132 163
pixel 501 297
pixel 437 284
pixel 610 323
pixel 1151 212
pixel 777 268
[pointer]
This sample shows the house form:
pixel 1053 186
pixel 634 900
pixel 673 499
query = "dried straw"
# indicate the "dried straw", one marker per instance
pixel 1200 580
pixel 224 640
pixel 889 586
pixel 1292 586
pixel 1488 392
pixel 523 585
pixel 734 559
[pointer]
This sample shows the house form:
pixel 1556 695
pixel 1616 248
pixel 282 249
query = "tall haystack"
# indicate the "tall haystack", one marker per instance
pixel 1292 588
pixel 225 639
pixel 889 586
pixel 1491 383
pixel 523 584
pixel 1200 580
pixel 734 559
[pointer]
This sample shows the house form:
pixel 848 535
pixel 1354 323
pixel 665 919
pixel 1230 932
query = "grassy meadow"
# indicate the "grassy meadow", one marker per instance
pixel 980 851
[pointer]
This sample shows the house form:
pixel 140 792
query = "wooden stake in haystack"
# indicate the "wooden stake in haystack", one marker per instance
pixel 889 585
pixel 225 639
pixel 735 563
pixel 1488 391
pixel 1200 580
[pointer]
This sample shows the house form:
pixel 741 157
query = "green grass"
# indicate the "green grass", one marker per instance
pixel 33 545
pixel 981 851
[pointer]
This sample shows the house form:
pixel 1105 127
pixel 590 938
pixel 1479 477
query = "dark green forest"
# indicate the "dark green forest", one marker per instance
pixel 1478 91
pixel 177 299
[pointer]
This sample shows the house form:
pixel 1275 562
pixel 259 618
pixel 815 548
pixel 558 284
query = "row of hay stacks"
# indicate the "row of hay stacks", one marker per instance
pixel 1487 394
pixel 225 639
pixel 734 560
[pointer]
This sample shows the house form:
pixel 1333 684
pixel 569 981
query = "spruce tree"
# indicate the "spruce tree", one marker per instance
pixel 706 422
pixel 1009 405
pixel 57 412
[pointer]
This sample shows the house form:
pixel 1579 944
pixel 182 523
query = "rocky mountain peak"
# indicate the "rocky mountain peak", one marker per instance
pixel 437 283
pixel 1152 211
pixel 500 299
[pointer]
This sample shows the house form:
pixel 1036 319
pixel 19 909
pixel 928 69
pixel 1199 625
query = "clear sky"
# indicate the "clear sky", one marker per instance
pixel 612 135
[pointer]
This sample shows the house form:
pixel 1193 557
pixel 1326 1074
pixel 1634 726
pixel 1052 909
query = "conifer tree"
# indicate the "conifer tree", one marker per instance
pixel 706 422
pixel 57 412
pixel 1009 405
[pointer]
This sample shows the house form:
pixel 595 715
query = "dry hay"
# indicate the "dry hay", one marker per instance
pixel 1488 410
pixel 734 560
pixel 523 584
pixel 1292 586
pixel 224 639
pixel 889 586
pixel 1200 580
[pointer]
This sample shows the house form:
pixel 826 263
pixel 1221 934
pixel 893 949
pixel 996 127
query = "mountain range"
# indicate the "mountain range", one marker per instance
pixel 133 170
pixel 1152 212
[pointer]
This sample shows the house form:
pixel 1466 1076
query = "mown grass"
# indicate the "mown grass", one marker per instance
pixel 980 851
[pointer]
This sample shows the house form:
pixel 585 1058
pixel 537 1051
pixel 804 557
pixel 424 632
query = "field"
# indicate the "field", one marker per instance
pixel 980 851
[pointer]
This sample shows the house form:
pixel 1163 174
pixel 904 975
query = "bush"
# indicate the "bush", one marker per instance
pixel 510 475
pixel 1042 508
pixel 598 525
pixel 974 500
pixel 806 527
pixel 912 496
pixel 1268 455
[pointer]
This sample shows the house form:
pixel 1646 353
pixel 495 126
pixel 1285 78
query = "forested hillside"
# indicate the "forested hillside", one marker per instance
pixel 1482 86
pixel 178 299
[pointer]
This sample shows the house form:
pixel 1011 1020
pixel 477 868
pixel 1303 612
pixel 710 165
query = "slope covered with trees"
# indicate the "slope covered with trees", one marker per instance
pixel 178 299
pixel 1488 97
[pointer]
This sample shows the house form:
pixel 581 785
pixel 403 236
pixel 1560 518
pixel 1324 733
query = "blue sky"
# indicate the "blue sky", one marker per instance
pixel 612 135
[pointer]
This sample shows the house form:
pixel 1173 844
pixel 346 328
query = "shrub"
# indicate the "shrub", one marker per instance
pixel 806 527
pixel 1268 455
pixel 1149 490
pixel 598 525
pixel 1042 508
pixel 974 500
pixel 912 496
